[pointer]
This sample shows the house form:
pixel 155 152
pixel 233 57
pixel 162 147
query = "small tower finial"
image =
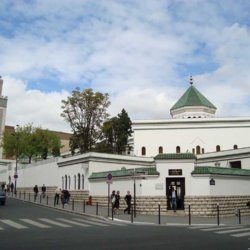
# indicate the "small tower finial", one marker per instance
pixel 191 80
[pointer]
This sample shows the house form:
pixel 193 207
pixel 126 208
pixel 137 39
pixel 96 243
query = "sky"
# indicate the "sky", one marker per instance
pixel 140 52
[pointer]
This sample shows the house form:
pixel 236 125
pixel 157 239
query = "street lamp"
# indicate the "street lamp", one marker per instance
pixel 17 154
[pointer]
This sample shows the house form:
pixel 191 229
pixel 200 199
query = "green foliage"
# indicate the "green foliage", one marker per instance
pixel 115 134
pixel 29 142
pixel 85 112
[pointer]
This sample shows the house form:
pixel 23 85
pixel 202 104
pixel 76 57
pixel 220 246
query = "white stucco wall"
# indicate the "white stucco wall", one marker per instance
pixel 189 133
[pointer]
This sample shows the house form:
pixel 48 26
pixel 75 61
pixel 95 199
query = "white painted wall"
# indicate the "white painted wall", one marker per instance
pixel 50 174
pixel 188 133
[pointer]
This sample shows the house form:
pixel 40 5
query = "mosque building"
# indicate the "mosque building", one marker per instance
pixel 205 158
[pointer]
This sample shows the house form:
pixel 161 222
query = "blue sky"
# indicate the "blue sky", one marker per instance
pixel 141 52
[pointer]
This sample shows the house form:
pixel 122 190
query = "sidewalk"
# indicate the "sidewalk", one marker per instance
pixel 174 219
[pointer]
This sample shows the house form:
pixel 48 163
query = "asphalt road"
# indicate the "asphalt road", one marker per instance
pixel 29 226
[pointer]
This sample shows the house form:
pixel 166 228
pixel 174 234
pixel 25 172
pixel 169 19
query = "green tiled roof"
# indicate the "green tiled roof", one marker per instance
pixel 221 171
pixel 192 97
pixel 124 173
pixel 175 156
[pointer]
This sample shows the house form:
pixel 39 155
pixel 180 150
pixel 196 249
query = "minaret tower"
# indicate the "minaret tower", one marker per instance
pixel 3 108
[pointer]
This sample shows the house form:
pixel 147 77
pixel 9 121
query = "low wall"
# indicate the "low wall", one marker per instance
pixel 204 206
pixel 207 205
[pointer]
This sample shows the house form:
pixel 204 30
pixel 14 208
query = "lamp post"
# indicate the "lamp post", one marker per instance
pixel 17 154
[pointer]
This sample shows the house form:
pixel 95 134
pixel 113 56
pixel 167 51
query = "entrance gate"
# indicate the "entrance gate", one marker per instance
pixel 179 186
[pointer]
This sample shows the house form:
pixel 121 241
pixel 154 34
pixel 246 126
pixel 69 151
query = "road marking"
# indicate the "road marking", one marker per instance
pixel 232 231
pixel 13 224
pixel 56 223
pixel 73 222
pixel 221 228
pixel 92 222
pixel 34 223
pixel 241 235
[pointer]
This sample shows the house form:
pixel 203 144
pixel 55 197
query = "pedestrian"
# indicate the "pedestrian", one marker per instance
pixel 112 198
pixel 35 189
pixel 173 197
pixel 128 199
pixel 117 201
pixel 12 187
pixel 3 185
pixel 65 196
pixel 43 191
pixel 57 195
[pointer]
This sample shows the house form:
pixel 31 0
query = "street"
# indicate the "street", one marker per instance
pixel 25 225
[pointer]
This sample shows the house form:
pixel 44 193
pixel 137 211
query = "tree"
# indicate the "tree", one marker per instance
pixel 47 143
pixel 85 111
pixel 115 133
pixel 30 142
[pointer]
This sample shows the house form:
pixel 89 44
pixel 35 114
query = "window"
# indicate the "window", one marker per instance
pixel 178 149
pixel 69 181
pixel 193 151
pixel 143 151
pixel 75 182
pixel 198 150
pixel 203 151
pixel 217 148
pixel 79 181
pixel 66 182
pixel 62 182
pixel 160 150
pixel 235 164
pixel 82 182
pixel 235 146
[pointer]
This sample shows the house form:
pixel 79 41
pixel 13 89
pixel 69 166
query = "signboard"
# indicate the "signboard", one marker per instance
pixel 175 172
pixel 109 178
pixel 159 186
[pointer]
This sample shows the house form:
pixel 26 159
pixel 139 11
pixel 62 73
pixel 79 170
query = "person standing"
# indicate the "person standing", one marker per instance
pixel 57 195
pixel 112 199
pixel 43 190
pixel 12 187
pixel 173 198
pixel 35 189
pixel 117 201
pixel 128 199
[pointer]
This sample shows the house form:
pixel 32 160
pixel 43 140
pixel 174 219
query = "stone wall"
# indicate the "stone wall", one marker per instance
pixel 207 205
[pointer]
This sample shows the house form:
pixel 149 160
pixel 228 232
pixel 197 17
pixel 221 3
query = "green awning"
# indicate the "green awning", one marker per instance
pixel 124 173
pixel 220 171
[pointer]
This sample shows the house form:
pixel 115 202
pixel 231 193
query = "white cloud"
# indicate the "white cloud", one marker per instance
pixel 33 106
pixel 140 52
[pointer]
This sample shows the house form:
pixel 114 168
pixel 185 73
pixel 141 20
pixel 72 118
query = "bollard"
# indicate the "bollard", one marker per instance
pixel 96 208
pixel 159 213
pixel 189 214
pixel 218 214
pixel 73 204
pixel 47 200
pixel 83 206
pixel 112 213
pixel 239 216
pixel 132 212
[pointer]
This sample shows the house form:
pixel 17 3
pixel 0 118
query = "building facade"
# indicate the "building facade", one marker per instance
pixel 206 159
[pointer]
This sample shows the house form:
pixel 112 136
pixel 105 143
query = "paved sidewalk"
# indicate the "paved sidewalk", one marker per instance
pixel 176 219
